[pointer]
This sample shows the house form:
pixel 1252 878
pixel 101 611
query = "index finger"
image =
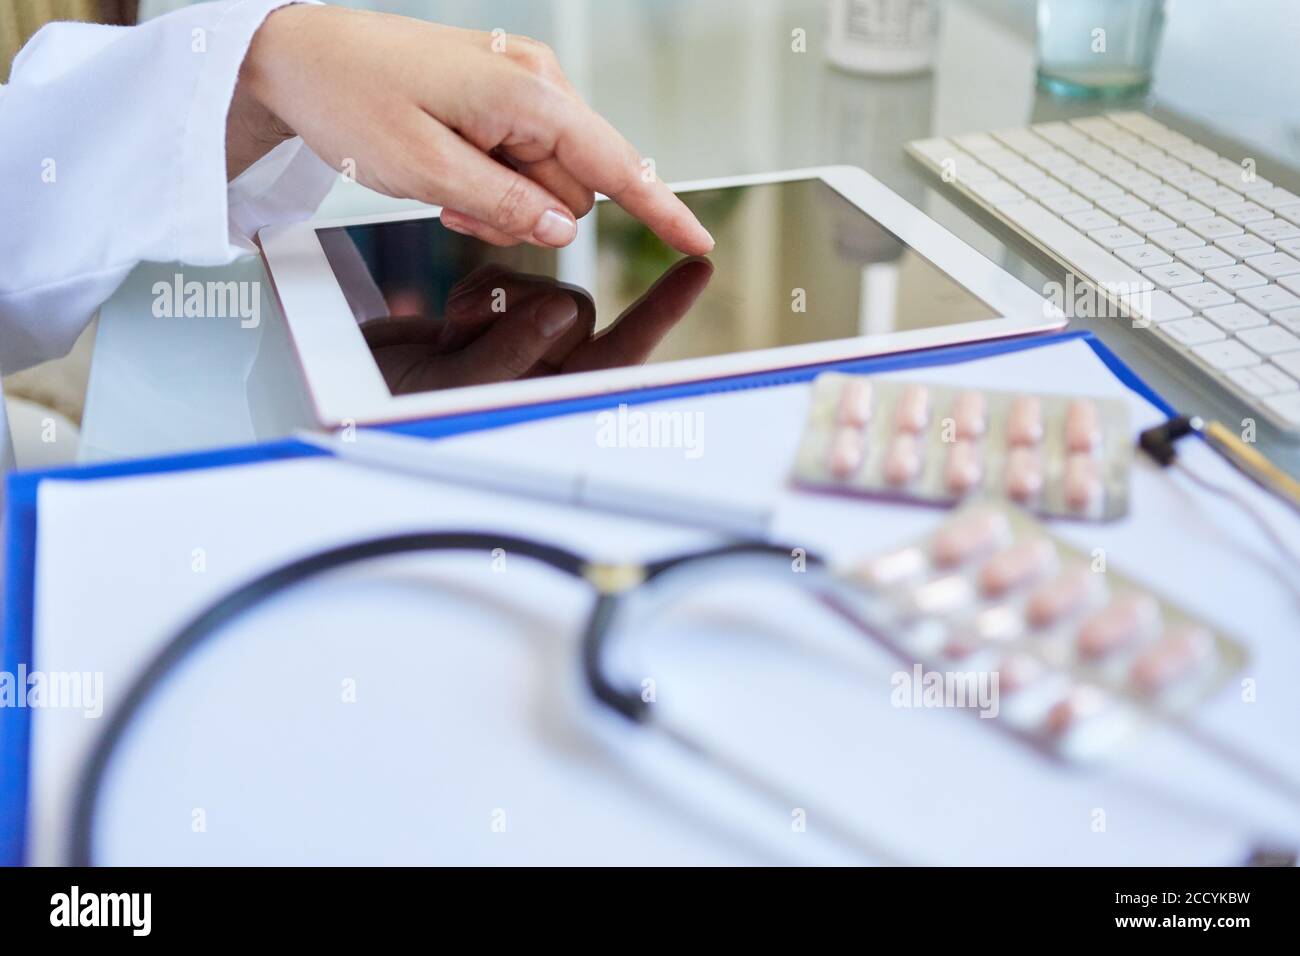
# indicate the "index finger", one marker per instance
pixel 597 156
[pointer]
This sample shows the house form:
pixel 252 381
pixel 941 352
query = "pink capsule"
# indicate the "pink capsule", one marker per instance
pixel 913 409
pixel 1078 705
pixel 969 414
pixel 964 468
pixel 1017 671
pixel 968 535
pixel 1024 474
pixel 902 459
pixel 892 568
pixel 1175 656
pixel 1118 624
pixel 1082 426
pixel 1018 565
pixel 1065 594
pixel 1025 421
pixel 846 453
pixel 855 403
pixel 1082 482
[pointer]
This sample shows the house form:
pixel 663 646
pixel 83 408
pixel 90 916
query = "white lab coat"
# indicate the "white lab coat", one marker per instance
pixel 112 152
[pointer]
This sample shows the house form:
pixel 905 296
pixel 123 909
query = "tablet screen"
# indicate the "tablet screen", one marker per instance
pixel 795 262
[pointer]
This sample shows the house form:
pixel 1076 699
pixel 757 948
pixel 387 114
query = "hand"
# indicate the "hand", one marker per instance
pixel 546 329
pixel 500 140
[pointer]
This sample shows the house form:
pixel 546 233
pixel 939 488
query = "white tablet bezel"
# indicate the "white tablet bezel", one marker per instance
pixel 346 386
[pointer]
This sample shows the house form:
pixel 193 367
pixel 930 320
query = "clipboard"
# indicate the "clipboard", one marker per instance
pixel 22 517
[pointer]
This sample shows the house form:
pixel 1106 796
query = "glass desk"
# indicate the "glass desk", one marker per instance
pixel 714 88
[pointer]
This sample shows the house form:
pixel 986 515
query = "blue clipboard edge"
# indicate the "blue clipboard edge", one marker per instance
pixel 21 516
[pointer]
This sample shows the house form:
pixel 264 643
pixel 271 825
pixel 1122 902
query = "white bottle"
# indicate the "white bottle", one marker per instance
pixel 882 37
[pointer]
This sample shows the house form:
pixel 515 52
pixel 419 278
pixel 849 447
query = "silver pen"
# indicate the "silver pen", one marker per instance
pixel 424 458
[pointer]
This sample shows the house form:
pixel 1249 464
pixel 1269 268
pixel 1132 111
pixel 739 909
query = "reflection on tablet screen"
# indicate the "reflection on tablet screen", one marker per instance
pixel 795 262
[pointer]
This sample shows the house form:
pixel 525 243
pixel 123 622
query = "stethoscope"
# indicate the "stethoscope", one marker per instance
pixel 610 617
pixel 626 595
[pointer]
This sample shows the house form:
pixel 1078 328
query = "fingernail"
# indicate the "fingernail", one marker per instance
pixel 454 226
pixel 555 315
pixel 555 228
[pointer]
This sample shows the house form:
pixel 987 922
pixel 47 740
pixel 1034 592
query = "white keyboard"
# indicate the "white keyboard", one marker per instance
pixel 1174 235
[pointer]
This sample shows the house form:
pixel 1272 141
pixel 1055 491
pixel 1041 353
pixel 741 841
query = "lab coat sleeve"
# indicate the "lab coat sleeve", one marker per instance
pixel 112 152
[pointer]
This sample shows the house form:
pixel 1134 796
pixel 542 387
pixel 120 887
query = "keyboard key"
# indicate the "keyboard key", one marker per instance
pixel 1201 258
pixel 997 193
pixel 1244 247
pixel 1269 340
pixel 1019 171
pixel 1100 189
pixel 1254 187
pixel 1156 306
pixel 1058 134
pixel 976 142
pixel 1291 282
pixel 1159 195
pixel 1269 298
pixel 1077 175
pixel 1203 295
pixel 1169 276
pixel 1190 180
pixel 1273 230
pixel 1134 121
pixel 1090 219
pixel 1139 257
pixel 1220 196
pixel 1149 221
pixel 1042 188
pixel 1215 228
pixel 1070 202
pixel 1288 362
pixel 1244 212
pixel 1123 205
pixel 1135 180
pixel 1235 317
pixel 1021 141
pixel 1290 245
pixel 1225 355
pixel 1285 406
pixel 1274 265
pixel 1171 240
pixel 972 171
pixel 1115 237
pixel 1074 247
pixel 1161 165
pixel 1186 210
pixel 1194 331
pixel 1278 379
pixel 1249 381
pixel 1232 175
pixel 1290 214
pixel 1289 319
pixel 1276 199
pixel 1052 160
pixel 1235 277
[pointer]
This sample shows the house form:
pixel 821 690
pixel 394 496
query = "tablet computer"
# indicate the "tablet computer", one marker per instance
pixel 395 317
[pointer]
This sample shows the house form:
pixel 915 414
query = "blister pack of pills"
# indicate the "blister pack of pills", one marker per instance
pixel 1057 455
pixel 1073 656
